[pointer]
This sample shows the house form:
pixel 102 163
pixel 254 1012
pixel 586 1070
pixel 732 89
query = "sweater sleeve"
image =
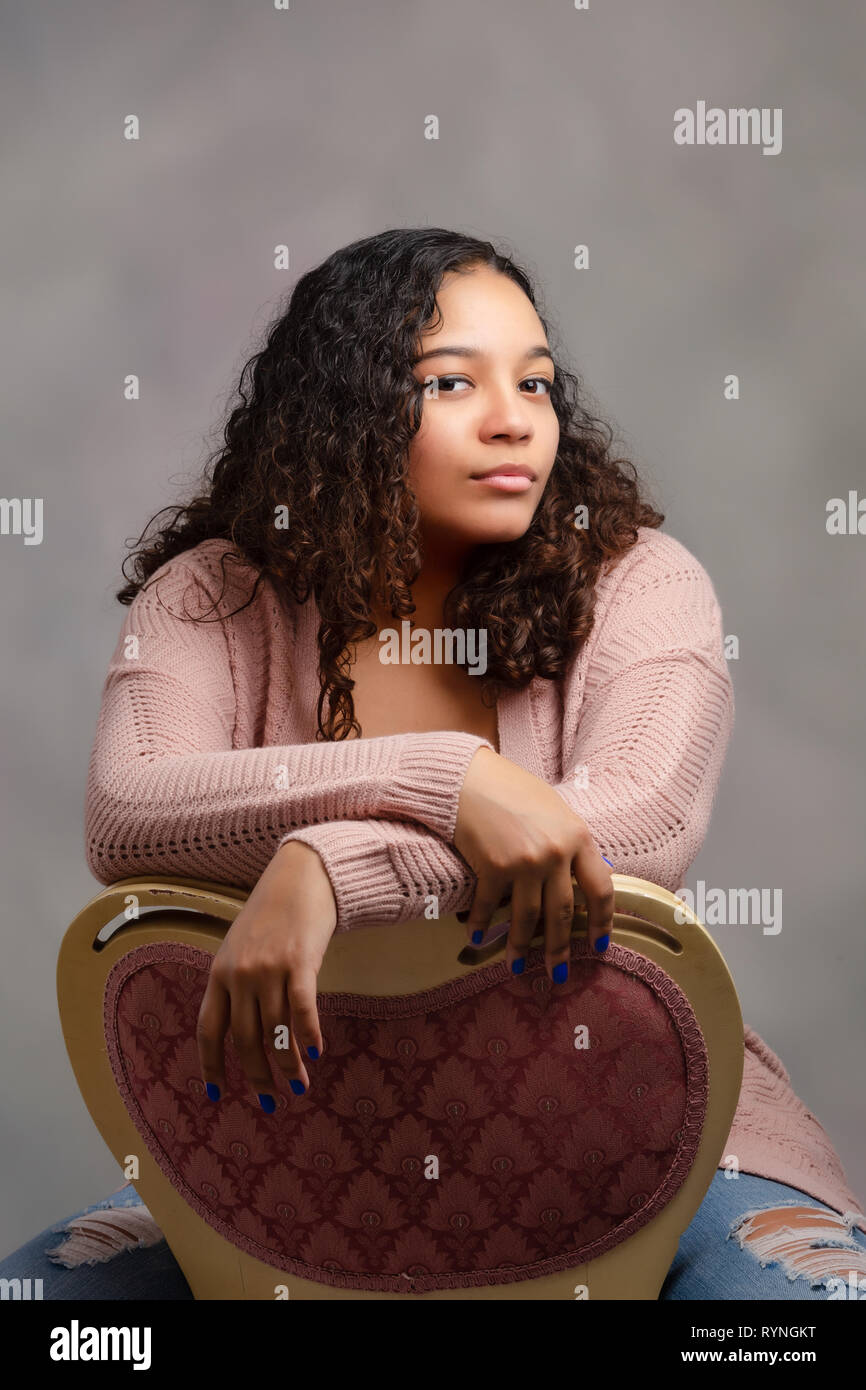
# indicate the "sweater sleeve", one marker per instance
pixel 643 763
pixel 389 871
pixel 168 793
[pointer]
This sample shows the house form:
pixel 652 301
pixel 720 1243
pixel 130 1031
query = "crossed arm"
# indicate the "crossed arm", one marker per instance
pixel 168 793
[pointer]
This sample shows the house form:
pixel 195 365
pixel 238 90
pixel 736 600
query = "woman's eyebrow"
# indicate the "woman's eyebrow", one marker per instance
pixel 458 350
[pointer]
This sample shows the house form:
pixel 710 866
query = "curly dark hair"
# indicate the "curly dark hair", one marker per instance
pixel 323 430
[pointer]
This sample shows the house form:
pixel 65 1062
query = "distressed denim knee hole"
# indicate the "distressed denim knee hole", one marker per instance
pixel 806 1242
pixel 98 1236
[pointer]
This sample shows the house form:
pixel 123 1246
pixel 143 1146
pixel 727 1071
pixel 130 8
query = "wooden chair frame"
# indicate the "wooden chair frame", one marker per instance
pixel 147 909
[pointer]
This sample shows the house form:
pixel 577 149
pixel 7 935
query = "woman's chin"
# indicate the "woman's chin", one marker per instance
pixel 499 530
pixel 467 531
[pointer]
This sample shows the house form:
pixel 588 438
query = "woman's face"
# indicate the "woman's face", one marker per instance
pixel 488 407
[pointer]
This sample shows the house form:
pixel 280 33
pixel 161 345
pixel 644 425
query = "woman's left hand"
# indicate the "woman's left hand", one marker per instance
pixel 264 975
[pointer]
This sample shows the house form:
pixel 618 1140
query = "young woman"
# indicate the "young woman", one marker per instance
pixel 411 447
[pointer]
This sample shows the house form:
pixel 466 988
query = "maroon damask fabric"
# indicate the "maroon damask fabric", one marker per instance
pixel 494 1129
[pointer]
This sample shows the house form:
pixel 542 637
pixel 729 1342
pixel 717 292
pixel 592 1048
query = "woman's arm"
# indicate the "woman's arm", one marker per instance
pixel 168 793
pixel 646 735
pixel 387 871
pixel 642 762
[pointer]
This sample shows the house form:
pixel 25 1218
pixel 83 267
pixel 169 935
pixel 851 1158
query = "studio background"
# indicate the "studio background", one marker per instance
pixel 306 128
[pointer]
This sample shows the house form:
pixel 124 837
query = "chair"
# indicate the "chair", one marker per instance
pixel 467 1134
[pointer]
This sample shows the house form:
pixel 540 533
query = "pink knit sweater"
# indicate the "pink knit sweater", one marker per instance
pixel 205 761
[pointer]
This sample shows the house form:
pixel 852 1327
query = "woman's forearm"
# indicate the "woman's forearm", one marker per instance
pixel 168 793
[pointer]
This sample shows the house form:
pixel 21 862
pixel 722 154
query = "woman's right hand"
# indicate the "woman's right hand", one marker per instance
pixel 516 831
pixel 263 977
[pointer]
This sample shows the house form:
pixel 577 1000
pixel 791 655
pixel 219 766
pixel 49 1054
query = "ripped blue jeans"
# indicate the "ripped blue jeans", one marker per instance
pixel 750 1239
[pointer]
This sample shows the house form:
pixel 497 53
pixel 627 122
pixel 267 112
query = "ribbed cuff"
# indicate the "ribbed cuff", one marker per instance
pixel 428 780
pixel 359 866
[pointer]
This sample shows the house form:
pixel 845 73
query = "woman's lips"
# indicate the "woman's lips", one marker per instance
pixel 505 482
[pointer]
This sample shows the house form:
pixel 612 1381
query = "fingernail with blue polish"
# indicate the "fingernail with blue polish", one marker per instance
pixel 213 1092
pixel 267 1103
pixel 313 1052
pixel 603 942
pixel 517 965
pixel 606 860
pixel 560 972
pixel 298 1087
pixel 476 936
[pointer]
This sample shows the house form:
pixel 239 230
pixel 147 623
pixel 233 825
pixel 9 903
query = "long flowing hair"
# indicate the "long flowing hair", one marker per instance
pixel 321 435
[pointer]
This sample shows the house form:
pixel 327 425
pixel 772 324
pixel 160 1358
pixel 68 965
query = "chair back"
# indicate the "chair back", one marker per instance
pixel 467 1133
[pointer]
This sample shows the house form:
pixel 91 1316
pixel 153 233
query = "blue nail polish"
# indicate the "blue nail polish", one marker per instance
pixel 313 1052
pixel 213 1091
pixel 517 965
pixel 267 1103
pixel 606 860
pixel 298 1087
pixel 476 936
pixel 603 942
pixel 560 972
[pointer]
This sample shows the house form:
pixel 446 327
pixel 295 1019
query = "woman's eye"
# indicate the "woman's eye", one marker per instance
pixel 446 383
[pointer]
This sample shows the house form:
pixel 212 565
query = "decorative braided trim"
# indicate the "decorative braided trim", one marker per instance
pixel 406 1006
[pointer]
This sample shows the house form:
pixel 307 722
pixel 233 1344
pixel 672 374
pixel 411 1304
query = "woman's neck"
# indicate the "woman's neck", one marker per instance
pixel 429 591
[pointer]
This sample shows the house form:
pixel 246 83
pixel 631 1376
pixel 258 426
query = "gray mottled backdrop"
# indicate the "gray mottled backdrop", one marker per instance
pixel 306 127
